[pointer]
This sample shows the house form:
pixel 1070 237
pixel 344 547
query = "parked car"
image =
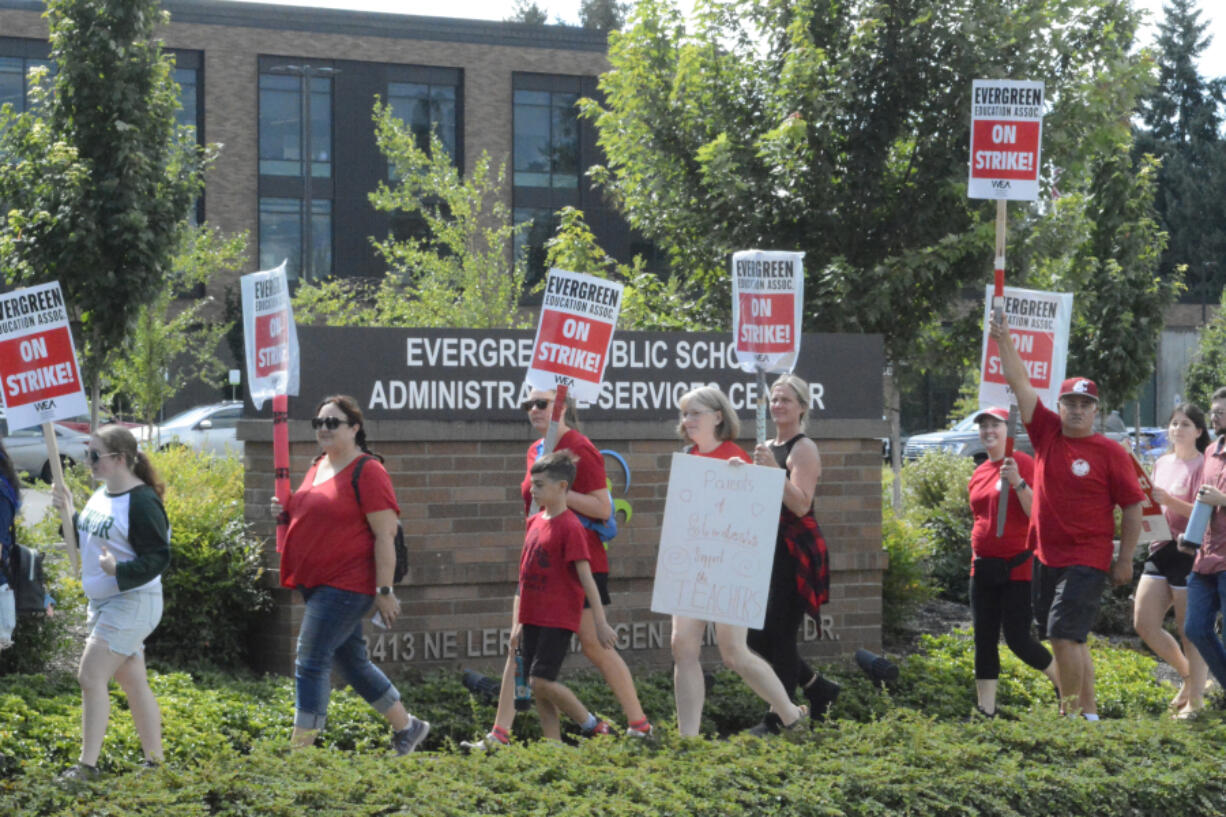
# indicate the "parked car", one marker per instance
pixel 28 448
pixel 210 428
pixel 81 422
pixel 963 440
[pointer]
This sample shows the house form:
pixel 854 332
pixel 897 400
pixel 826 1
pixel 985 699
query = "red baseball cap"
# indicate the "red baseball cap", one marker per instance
pixel 1001 414
pixel 1083 386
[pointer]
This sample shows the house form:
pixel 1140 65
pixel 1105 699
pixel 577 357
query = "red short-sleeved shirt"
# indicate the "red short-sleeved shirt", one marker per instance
pixel 1078 483
pixel 985 493
pixel 550 593
pixel 329 542
pixel 1211 555
pixel 589 476
pixel 724 451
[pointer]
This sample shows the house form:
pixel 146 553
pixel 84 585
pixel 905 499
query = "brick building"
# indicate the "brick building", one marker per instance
pixel 244 69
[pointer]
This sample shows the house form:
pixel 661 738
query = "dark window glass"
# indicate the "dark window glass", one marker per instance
pixel 423 107
pixel 546 149
pixel 12 82
pixel 530 242
pixel 186 115
pixel 281 115
pixel 281 236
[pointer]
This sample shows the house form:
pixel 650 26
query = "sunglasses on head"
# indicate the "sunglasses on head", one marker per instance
pixel 94 456
pixel 528 405
pixel 330 423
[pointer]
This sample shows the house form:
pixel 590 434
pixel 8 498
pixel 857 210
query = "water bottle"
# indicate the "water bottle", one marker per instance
pixel 523 693
pixel 1194 534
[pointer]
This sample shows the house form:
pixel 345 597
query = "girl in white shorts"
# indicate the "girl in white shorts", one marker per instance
pixel 124 537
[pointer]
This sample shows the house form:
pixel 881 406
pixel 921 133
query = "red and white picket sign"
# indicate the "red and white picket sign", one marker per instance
pixel 767 298
pixel 578 316
pixel 271 342
pixel 38 360
pixel 1039 323
pixel 1006 139
pixel 1153 523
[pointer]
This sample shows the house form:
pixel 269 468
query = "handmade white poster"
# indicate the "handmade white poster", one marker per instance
pixel 717 540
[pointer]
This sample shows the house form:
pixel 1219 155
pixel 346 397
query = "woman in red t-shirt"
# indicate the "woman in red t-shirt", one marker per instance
pixel 340 554
pixel 1001 565
pixel 709 425
pixel 589 498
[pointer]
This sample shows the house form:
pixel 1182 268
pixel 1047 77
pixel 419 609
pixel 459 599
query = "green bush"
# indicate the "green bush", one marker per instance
pixel 936 499
pixel 909 750
pixel 905 584
pixel 213 587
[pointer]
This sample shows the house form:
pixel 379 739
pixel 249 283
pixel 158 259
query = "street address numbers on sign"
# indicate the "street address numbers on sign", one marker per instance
pixel 578 315
pixel 38 361
pixel 1006 136
pixel 767 295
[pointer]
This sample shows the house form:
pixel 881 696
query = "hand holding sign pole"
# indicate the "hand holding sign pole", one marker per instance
pixel 767 298
pixel 42 383
pixel 271 342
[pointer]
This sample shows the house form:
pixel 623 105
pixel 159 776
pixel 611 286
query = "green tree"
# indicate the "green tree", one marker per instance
pixel 841 129
pixel 1182 119
pixel 649 303
pixel 171 344
pixel 108 130
pixel 455 270
pixel 602 15
pixel 1206 371
pixel 527 11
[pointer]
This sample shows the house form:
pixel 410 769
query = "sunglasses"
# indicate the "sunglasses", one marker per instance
pixel 330 423
pixel 93 456
pixel 528 405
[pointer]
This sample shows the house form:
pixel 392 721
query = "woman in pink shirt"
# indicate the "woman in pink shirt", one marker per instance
pixel 1164 581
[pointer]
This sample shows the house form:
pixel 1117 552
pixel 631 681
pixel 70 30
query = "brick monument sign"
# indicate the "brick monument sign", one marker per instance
pixel 442 407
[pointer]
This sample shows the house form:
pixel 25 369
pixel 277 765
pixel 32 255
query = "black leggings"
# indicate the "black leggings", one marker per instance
pixel 1004 606
pixel 785 610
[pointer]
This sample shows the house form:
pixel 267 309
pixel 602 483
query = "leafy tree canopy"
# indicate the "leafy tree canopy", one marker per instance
pixel 602 15
pixel 527 11
pixel 99 181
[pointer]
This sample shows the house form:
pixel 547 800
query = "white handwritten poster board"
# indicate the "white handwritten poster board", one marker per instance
pixel 717 541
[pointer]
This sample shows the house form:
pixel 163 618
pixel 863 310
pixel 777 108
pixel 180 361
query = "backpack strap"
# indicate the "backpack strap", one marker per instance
pixel 357 475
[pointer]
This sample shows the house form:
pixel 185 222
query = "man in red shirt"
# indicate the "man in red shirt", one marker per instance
pixel 1207 582
pixel 1080 477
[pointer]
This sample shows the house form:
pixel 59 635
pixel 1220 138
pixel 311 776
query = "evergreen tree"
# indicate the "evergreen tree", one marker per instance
pixel 1182 119
pixel 527 11
pixel 602 15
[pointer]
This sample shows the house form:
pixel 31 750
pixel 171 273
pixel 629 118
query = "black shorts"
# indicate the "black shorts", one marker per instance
pixel 544 649
pixel 602 584
pixel 1066 600
pixel 1170 563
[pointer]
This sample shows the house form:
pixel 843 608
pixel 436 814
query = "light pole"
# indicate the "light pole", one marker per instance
pixel 305 74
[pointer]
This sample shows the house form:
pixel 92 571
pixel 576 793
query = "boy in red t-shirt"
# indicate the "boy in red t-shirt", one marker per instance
pixel 554 578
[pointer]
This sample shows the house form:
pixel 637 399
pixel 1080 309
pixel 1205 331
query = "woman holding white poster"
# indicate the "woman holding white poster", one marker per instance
pixel 800 575
pixel 710 425
pixel 590 500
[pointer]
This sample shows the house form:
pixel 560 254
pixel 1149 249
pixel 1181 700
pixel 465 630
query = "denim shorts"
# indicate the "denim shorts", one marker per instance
pixel 123 622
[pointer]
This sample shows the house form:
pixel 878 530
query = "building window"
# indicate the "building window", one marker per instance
pixel 188 114
pixel 17 58
pixel 284 107
pixel 284 233
pixel 530 241
pixel 424 107
pixel 546 128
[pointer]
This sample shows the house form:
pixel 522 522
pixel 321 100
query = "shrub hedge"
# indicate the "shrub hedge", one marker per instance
pixel 909 750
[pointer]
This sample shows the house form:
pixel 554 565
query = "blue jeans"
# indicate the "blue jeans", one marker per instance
pixel 1206 598
pixel 332 633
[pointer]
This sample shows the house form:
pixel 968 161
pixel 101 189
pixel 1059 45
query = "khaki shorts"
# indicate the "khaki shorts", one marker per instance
pixel 123 622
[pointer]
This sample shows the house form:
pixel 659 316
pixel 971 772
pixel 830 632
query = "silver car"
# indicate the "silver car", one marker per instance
pixel 210 428
pixel 963 439
pixel 27 448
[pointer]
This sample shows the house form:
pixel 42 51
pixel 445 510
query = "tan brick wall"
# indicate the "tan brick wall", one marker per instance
pixel 463 520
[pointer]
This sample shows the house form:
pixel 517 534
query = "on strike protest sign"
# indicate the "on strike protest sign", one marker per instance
pixel 1153 522
pixel 717 541
pixel 269 335
pixel 1006 136
pixel 767 297
pixel 1039 322
pixel 38 361
pixel 578 316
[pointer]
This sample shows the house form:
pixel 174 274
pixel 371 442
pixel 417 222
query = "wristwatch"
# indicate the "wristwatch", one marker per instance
pixel 385 590
pixel 1021 485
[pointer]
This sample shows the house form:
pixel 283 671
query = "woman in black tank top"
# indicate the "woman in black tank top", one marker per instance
pixel 800 576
